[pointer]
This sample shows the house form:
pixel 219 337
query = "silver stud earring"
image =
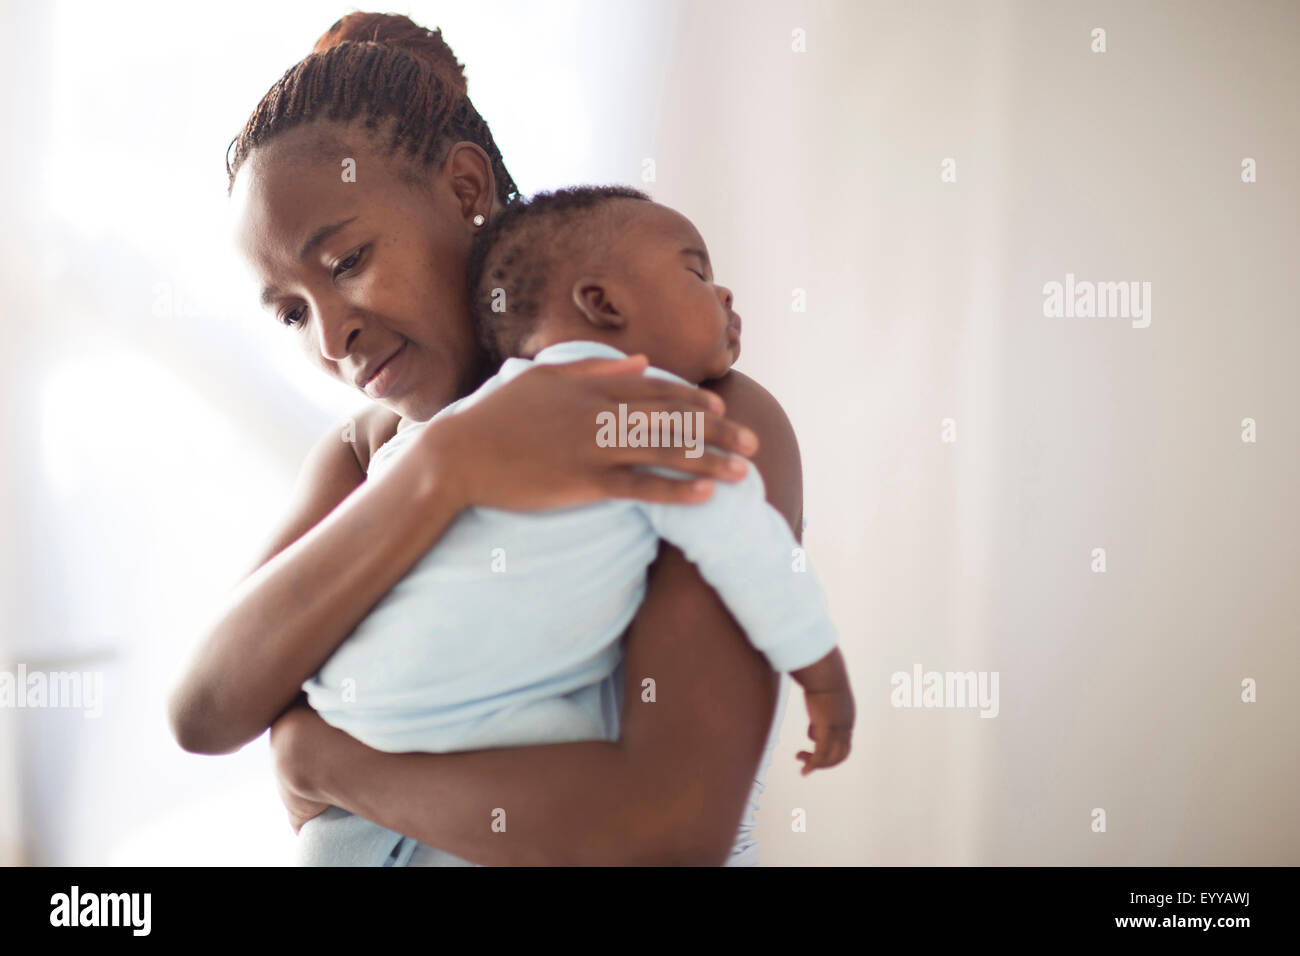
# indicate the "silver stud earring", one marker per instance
pixel 479 219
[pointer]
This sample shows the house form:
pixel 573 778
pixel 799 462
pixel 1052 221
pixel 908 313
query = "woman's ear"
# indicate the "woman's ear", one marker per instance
pixel 469 173
pixel 595 301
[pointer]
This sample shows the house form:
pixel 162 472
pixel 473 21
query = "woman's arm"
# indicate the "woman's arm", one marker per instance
pixel 318 573
pixel 529 445
pixel 670 791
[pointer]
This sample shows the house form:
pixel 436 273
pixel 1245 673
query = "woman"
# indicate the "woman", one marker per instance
pixel 359 183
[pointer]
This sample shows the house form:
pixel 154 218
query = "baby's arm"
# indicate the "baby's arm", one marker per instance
pixel 829 700
pixel 747 553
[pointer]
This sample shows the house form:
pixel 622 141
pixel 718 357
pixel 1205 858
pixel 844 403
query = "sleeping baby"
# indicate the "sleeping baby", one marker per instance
pixel 496 635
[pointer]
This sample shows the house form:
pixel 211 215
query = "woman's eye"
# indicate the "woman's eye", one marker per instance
pixel 293 317
pixel 700 274
pixel 348 264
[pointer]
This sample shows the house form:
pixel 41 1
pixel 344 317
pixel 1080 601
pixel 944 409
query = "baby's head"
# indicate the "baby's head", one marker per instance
pixel 607 264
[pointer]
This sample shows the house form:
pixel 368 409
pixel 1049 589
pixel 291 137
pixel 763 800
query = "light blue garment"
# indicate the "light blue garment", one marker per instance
pixel 507 633
pixel 337 838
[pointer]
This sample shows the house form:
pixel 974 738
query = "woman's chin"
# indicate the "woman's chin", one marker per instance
pixel 420 404
pixel 414 411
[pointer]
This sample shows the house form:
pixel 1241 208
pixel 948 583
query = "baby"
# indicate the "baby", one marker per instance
pixel 502 634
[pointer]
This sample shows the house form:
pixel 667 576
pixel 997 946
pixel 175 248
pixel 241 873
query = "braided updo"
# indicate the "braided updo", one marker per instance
pixel 388 71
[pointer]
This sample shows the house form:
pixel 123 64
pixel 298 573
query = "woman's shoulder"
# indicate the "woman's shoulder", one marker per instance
pixel 371 428
pixel 777 458
pixel 334 468
pixel 750 399
pixel 341 457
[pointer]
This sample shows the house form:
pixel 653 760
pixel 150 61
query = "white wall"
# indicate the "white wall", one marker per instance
pixel 821 170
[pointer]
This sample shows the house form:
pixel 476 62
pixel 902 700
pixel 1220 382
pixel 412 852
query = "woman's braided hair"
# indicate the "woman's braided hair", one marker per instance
pixel 386 69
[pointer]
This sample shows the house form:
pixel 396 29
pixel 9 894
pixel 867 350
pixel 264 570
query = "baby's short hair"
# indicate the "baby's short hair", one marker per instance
pixel 516 256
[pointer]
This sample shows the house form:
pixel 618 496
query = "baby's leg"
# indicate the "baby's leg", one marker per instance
pixel 339 838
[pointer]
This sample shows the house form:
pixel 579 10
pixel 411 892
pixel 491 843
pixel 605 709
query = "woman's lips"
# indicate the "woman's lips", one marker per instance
pixel 381 383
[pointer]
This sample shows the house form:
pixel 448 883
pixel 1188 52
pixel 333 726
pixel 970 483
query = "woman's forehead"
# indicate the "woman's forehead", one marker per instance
pixel 320 158
pixel 274 204
pixel 296 184
pixel 318 142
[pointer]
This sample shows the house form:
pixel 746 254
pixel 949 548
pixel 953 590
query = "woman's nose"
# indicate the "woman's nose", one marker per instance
pixel 725 294
pixel 338 331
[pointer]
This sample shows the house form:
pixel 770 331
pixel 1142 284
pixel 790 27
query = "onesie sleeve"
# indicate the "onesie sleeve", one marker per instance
pixel 745 550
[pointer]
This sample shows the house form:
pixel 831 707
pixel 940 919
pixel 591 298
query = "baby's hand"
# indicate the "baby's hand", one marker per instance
pixel 831 730
pixel 830 707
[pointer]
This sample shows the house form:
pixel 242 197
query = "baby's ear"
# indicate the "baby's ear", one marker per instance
pixel 595 300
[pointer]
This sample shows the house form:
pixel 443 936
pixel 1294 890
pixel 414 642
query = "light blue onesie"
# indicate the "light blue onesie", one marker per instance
pixel 507 632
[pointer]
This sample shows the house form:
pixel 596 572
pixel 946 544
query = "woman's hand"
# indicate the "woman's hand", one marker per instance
pixel 291 738
pixel 532 443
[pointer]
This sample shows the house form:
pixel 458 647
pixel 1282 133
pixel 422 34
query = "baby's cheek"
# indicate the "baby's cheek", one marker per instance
pixel 721 364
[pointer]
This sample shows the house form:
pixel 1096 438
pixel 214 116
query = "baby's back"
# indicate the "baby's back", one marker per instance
pixel 476 645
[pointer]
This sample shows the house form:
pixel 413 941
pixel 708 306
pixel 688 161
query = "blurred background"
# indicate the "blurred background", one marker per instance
pixel 887 187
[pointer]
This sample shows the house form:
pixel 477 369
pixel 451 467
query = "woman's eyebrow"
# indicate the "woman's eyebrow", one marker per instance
pixel 320 235
pixel 314 240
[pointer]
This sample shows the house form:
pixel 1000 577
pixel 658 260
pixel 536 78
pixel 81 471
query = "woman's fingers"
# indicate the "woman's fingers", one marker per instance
pixel 626 390
pixel 708 464
pixel 730 436
pixel 577 432
pixel 625 383
pixel 677 426
pixel 659 391
pixel 630 483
